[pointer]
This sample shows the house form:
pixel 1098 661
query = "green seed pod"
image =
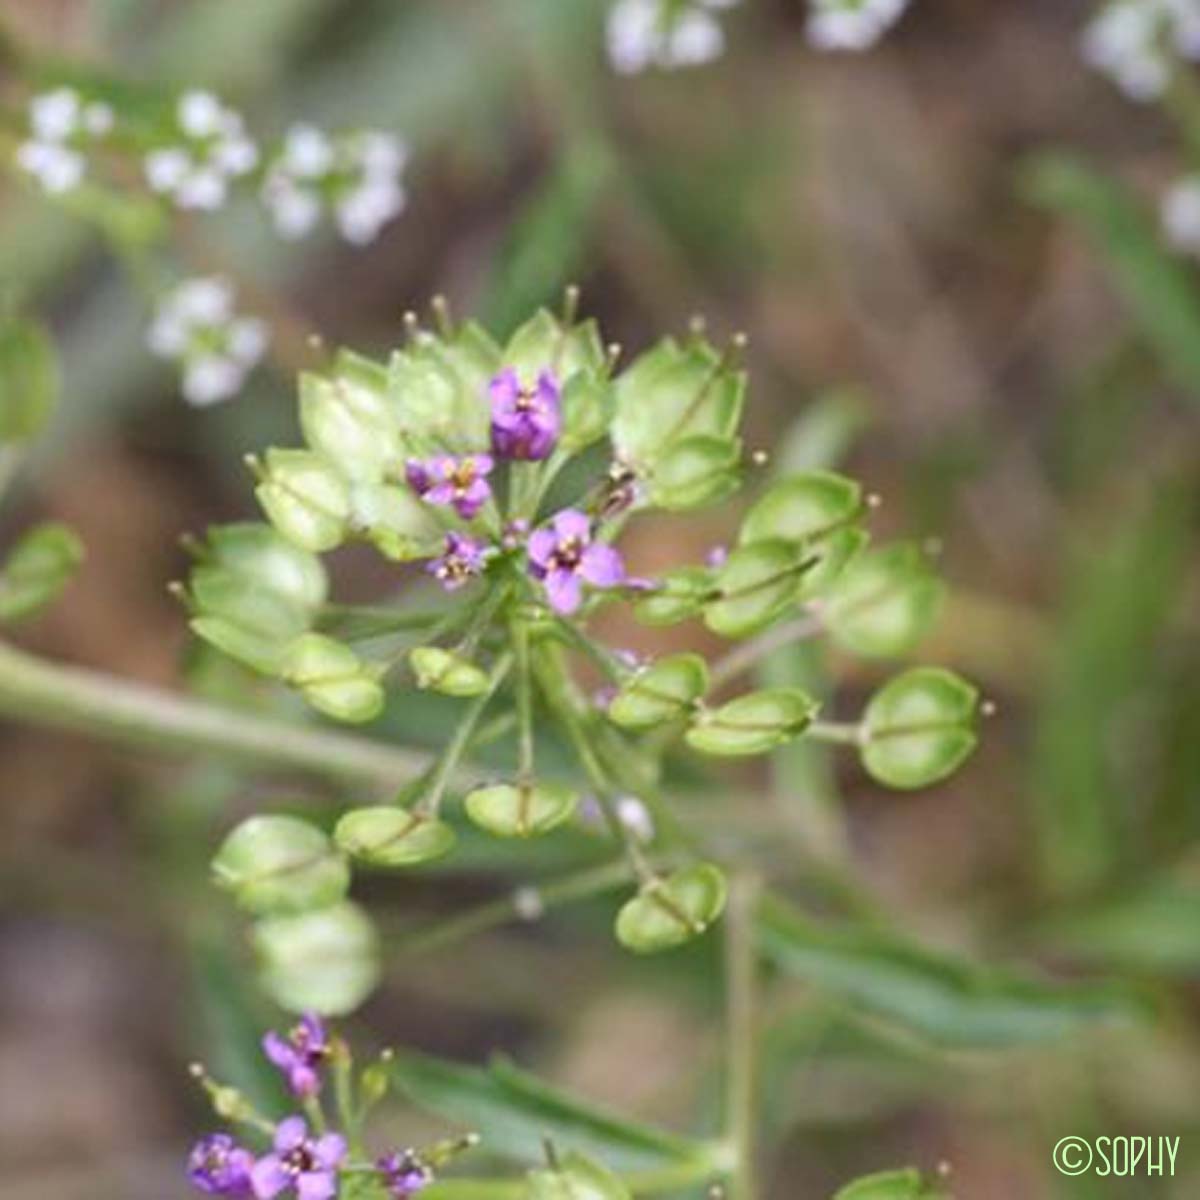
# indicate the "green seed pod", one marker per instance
pixel 752 724
pixel 280 865
pixel 919 728
pixel 260 558
pixel 388 836
pixel 574 1177
pixel 884 602
pixel 333 679
pixel 757 584
pixel 305 498
pixel 325 962
pixel 803 508
pixel 437 405
pixel 544 343
pixel 906 1184
pixel 29 381
pixel 37 570
pixel 516 810
pixel 681 594
pixel 588 404
pixel 696 471
pixel 443 671
pixel 664 691
pixel 673 392
pixel 394 521
pixel 351 425
pixel 668 913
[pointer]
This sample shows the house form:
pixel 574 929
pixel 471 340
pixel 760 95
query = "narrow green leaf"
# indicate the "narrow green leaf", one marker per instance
pixel 37 570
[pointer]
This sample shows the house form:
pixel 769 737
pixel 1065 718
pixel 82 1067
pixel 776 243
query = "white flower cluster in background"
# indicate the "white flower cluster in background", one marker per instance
pixel 196 326
pixel 851 24
pixel 61 126
pixel 662 33
pixel 1136 42
pixel 355 176
pixel 214 150
pixel 1180 213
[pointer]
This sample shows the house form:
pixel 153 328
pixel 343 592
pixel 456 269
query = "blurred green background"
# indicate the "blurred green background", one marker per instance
pixel 942 256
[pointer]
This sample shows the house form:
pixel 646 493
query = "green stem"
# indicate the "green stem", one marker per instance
pixel 40 693
pixel 839 733
pixel 457 746
pixel 749 654
pixel 741 975
pixel 10 462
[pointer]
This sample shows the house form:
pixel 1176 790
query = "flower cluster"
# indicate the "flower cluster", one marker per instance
pixel 304 1159
pixel 1137 42
pixel 655 33
pixel 197 327
pixel 62 124
pixel 356 176
pixel 851 24
pixel 211 151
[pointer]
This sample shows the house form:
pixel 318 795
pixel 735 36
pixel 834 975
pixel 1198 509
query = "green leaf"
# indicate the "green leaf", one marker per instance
pixel 681 594
pixel 29 380
pixel 515 810
pixel 325 962
pixel 757 584
pixel 388 836
pixel 1158 289
pixel 519 1112
pixel 752 724
pixel 669 912
pixel 672 392
pixel 948 1001
pixel 919 728
pixel 443 671
pixel 663 691
pixel 305 498
pixel 275 864
pixel 332 678
pixel 803 508
pixel 884 602
pixel 37 570
pixel 574 1177
pixel 695 471
pixel 351 425
pixel 904 1184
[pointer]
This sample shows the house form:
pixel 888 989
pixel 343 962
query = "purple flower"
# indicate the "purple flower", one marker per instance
pixel 564 557
pixel 218 1166
pixel 299 1163
pixel 461 482
pixel 403 1174
pixel 525 421
pixel 300 1055
pixel 463 559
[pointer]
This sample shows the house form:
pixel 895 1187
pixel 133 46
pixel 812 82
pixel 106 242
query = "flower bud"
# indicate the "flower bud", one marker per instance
pixel 662 692
pixel 752 724
pixel 669 912
pixel 443 671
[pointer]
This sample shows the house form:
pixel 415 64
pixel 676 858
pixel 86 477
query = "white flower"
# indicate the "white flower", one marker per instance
pixel 196 326
pixel 1180 214
pixel 357 176
pixel 636 818
pixel 643 33
pixel 851 24
pixel 1136 43
pixel 61 125
pixel 215 150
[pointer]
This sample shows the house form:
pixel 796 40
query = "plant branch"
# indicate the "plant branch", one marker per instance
pixel 40 693
pixel 749 654
pixel 741 976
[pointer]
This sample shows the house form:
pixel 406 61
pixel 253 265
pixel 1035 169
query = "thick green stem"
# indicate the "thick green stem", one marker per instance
pixel 40 693
pixel 741 975
pixel 842 734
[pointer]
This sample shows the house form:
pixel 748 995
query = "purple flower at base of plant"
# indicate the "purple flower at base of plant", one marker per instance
pixel 460 482
pixel 462 560
pixel 300 1055
pixel 218 1166
pixel 564 557
pixel 404 1174
pixel 301 1164
pixel 525 421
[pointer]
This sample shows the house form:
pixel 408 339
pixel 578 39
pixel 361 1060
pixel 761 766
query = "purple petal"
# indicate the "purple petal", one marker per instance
pixel 314 1027
pixel 304 1080
pixel 564 591
pixel 316 1185
pixel 542 543
pixel 269 1177
pixel 441 493
pixel 548 390
pixel 572 524
pixel 505 387
pixel 330 1149
pixel 601 565
pixel 472 499
pixel 279 1051
pixel 416 473
pixel 483 463
pixel 289 1133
